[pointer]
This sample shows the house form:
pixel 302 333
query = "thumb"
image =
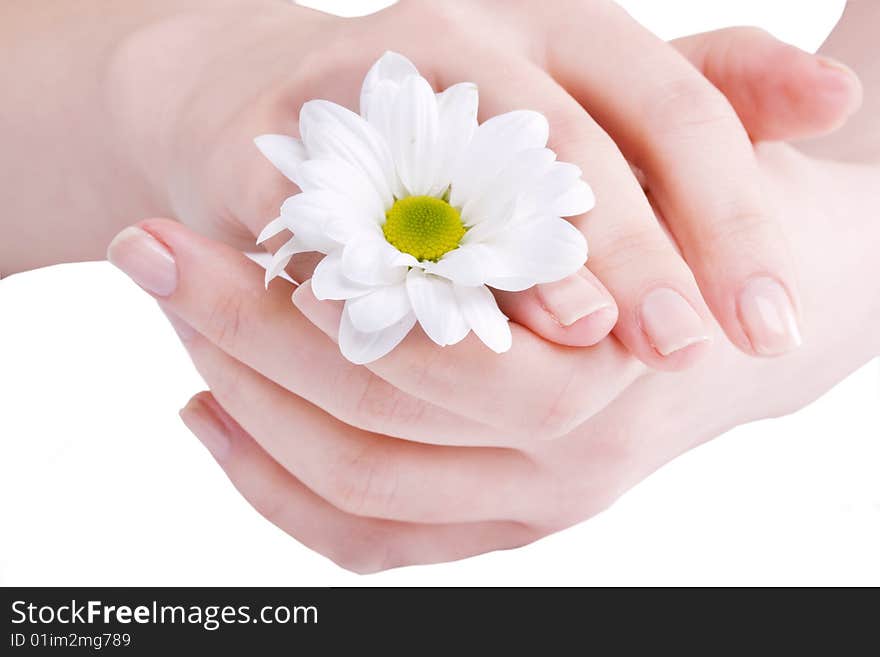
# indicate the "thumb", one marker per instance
pixel 779 91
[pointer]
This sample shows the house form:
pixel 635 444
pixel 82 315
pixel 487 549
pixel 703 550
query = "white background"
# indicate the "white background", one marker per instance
pixel 101 484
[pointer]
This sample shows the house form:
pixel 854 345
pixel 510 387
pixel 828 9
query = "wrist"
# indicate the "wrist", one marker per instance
pixel 62 158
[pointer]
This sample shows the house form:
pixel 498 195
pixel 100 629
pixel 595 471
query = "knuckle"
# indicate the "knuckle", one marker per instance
pixel 752 33
pixel 736 227
pixel 369 551
pixel 571 133
pixel 227 319
pixel 588 504
pixel 686 105
pixel 366 483
pixel 577 494
pixel 439 17
pixel 628 247
pixel 727 45
pixel 379 406
pixel 565 506
pixel 559 413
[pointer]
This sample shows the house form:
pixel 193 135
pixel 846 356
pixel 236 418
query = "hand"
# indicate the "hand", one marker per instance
pixel 668 119
pixel 536 390
pixel 370 502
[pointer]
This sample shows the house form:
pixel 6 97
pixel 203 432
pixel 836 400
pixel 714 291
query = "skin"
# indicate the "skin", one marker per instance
pixel 468 476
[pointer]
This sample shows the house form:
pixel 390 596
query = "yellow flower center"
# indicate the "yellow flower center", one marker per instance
pixel 423 226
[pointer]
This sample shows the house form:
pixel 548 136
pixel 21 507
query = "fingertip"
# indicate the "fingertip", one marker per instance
pixel 840 84
pixel 779 91
pixel 682 358
pixel 668 332
pixel 204 418
pixel 574 298
pixel 813 95
pixel 576 311
pixel 768 317
pixel 589 330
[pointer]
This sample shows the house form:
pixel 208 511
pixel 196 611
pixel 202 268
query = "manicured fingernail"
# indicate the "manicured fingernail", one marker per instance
pixel 208 428
pixel 146 260
pixel 768 317
pixel 572 298
pixel 670 322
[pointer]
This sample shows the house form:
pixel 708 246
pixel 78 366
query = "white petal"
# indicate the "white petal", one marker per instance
pixel 370 260
pixel 561 192
pixel 495 205
pixel 469 264
pixel 511 283
pixel 457 121
pixel 282 256
pixel 330 131
pixel 272 229
pixel 361 348
pixel 413 139
pixel 457 328
pixel 481 312
pixel 494 143
pixel 344 179
pixel 433 302
pixel 324 219
pixel 577 199
pixel 328 281
pixel 286 153
pixel 391 68
pixel 381 107
pixel 543 251
pixel 379 309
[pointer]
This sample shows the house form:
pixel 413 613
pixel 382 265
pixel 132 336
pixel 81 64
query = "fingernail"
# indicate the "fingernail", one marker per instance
pixel 146 260
pixel 184 331
pixel 207 427
pixel 836 67
pixel 571 299
pixel 768 317
pixel 670 322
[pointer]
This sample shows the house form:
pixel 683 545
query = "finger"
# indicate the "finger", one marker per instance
pixel 577 311
pixel 364 473
pixel 701 168
pixel 778 91
pixel 538 388
pixel 662 318
pixel 220 293
pixel 359 544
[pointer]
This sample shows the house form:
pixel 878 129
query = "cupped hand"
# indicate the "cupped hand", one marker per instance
pixel 482 481
pixel 342 465
pixel 463 394
pixel 371 501
pixel 244 74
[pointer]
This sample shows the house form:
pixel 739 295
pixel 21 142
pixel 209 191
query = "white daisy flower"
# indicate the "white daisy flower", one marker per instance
pixel 420 210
